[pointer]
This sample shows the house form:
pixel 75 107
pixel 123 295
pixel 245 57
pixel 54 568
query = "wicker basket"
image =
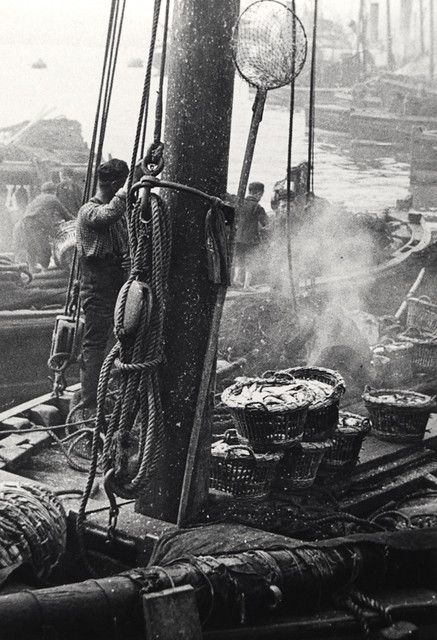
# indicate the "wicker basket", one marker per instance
pixel 323 417
pixel 395 362
pixel 346 442
pixel 422 314
pixel 394 422
pixel 266 429
pixel 248 476
pixel 299 467
pixel 424 351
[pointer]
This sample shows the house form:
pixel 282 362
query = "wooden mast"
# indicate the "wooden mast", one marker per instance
pixel 197 138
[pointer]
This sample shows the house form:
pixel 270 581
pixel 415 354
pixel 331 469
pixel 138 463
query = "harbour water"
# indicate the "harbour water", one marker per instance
pixel 69 85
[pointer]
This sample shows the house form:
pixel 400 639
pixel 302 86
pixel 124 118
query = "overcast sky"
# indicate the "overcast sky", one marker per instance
pixel 73 22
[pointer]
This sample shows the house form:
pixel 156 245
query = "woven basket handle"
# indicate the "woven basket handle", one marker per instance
pixel 252 406
pixel 240 447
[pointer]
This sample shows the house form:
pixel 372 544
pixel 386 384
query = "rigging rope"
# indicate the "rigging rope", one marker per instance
pixel 311 116
pixel 58 362
pixel 134 434
pixel 289 156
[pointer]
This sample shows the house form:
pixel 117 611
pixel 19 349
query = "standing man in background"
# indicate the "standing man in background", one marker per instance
pixel 252 219
pixel 103 248
pixel 69 193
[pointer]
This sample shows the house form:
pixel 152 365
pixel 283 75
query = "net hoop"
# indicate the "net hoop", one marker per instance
pixel 248 63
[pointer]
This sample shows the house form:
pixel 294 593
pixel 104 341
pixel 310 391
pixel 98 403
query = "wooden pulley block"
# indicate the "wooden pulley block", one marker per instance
pixel 138 294
pixel 67 336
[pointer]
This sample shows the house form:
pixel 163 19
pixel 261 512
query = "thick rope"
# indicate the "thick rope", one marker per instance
pixel 144 107
pixel 137 414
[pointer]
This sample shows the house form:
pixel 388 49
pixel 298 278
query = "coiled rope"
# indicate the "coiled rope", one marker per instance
pixel 134 434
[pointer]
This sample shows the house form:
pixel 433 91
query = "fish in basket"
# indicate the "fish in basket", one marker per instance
pixel 397 415
pixel 238 471
pixel 269 411
pixel 327 387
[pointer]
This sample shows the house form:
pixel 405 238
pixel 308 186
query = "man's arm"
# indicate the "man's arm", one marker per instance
pixel 100 216
pixel 263 218
pixel 63 212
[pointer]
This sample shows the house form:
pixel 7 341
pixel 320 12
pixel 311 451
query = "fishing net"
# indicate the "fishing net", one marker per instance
pixel 270 45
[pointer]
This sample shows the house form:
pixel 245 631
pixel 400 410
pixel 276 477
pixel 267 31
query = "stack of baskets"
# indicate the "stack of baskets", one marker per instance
pixel 340 461
pixel 308 436
pixel 267 425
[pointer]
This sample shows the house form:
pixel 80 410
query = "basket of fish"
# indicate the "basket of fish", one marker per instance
pixel 327 387
pixel 298 468
pixel 238 471
pixel 422 314
pixel 270 411
pixel 398 415
pixel 347 440
pixel 424 350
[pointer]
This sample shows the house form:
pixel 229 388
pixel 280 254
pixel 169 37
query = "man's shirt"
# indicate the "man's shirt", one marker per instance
pixel 251 215
pixel 101 230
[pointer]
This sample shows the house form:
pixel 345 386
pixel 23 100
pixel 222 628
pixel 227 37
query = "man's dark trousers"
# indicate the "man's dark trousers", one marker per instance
pixel 101 282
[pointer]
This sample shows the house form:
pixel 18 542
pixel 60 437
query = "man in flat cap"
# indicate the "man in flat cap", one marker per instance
pixel 103 248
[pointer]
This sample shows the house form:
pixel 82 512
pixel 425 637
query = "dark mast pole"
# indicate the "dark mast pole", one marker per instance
pixel 197 138
pixel 431 40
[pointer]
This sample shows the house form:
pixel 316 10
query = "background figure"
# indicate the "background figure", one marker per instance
pixel 252 220
pixel 68 192
pixel 34 233
pixel 20 200
pixel 6 224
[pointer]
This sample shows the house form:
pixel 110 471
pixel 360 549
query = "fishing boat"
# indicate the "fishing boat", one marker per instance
pixel 169 556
